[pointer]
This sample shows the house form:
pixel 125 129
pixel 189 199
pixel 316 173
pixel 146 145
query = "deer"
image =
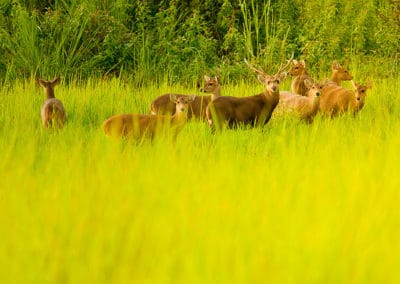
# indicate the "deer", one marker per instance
pixel 360 92
pixel 300 72
pixel 197 108
pixel 138 126
pixel 340 100
pixel 334 98
pixel 256 110
pixel 53 112
pixel 305 107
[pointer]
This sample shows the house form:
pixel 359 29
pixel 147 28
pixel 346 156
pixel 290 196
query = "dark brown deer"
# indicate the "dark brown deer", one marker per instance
pixel 228 111
pixel 53 112
pixel 197 108
pixel 138 126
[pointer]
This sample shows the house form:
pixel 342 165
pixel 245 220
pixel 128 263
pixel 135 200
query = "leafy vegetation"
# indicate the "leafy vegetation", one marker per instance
pixel 181 40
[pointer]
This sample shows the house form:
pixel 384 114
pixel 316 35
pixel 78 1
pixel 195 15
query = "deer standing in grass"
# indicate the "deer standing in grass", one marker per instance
pixel 138 126
pixel 228 111
pixel 339 101
pixel 334 98
pixel 300 72
pixel 305 107
pixel 360 92
pixel 53 112
pixel 197 108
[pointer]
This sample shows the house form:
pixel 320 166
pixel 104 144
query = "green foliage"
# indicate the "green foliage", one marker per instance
pixel 151 41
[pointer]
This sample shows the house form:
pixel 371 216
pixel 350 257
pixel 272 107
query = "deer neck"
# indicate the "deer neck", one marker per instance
pixel 179 118
pixel 303 73
pixel 336 79
pixel 268 94
pixel 216 93
pixel 49 93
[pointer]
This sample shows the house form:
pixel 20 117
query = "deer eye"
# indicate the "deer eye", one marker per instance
pixel 277 81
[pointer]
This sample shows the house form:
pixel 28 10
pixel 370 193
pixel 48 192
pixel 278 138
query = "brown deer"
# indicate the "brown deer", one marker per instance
pixel 304 107
pixel 340 100
pixel 197 108
pixel 339 74
pixel 300 72
pixel 53 112
pixel 360 92
pixel 334 98
pixel 228 111
pixel 138 126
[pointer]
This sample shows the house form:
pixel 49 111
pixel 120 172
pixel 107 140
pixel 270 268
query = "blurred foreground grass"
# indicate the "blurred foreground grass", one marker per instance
pixel 291 203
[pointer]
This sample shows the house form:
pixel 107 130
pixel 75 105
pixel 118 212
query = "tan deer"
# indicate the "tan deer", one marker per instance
pixel 304 107
pixel 138 126
pixel 300 72
pixel 53 112
pixel 360 92
pixel 340 100
pixel 228 111
pixel 334 98
pixel 197 108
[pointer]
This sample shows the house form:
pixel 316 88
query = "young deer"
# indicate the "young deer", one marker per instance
pixel 305 107
pixel 137 126
pixel 197 108
pixel 334 98
pixel 53 112
pixel 300 72
pixel 360 92
pixel 228 111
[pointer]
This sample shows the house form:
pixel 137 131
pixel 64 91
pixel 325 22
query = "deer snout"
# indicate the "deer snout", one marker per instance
pixel 358 98
pixel 317 94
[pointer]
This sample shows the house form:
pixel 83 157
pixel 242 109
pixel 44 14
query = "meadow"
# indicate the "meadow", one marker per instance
pixel 289 203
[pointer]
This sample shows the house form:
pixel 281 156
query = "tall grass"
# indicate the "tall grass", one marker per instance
pixel 289 203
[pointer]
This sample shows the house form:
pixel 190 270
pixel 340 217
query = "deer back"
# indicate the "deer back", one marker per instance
pixel 53 113
pixel 336 100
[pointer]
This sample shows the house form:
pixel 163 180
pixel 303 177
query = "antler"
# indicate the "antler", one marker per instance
pixel 285 66
pixel 259 71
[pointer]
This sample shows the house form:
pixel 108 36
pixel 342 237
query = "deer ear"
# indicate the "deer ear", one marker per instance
pixel 172 98
pixel 308 83
pixel 191 98
pixel 207 78
pixel 295 61
pixel 303 63
pixel 41 82
pixel 335 65
pixel 261 79
pixel 56 80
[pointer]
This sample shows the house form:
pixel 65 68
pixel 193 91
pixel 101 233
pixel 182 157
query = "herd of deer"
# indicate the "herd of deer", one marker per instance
pixel 170 112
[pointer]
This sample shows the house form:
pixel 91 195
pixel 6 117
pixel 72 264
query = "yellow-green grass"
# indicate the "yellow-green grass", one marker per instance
pixel 291 203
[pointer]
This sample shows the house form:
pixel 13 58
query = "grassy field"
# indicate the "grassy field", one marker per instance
pixel 291 203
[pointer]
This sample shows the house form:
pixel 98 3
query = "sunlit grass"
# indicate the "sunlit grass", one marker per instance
pixel 290 203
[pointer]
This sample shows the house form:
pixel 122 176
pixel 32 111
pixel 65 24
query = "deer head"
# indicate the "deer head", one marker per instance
pixel 299 68
pixel 271 82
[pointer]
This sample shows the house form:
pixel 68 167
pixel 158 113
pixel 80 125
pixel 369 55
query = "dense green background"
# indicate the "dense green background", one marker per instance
pixel 181 40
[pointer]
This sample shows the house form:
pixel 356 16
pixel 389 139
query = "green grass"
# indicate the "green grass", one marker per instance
pixel 292 203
